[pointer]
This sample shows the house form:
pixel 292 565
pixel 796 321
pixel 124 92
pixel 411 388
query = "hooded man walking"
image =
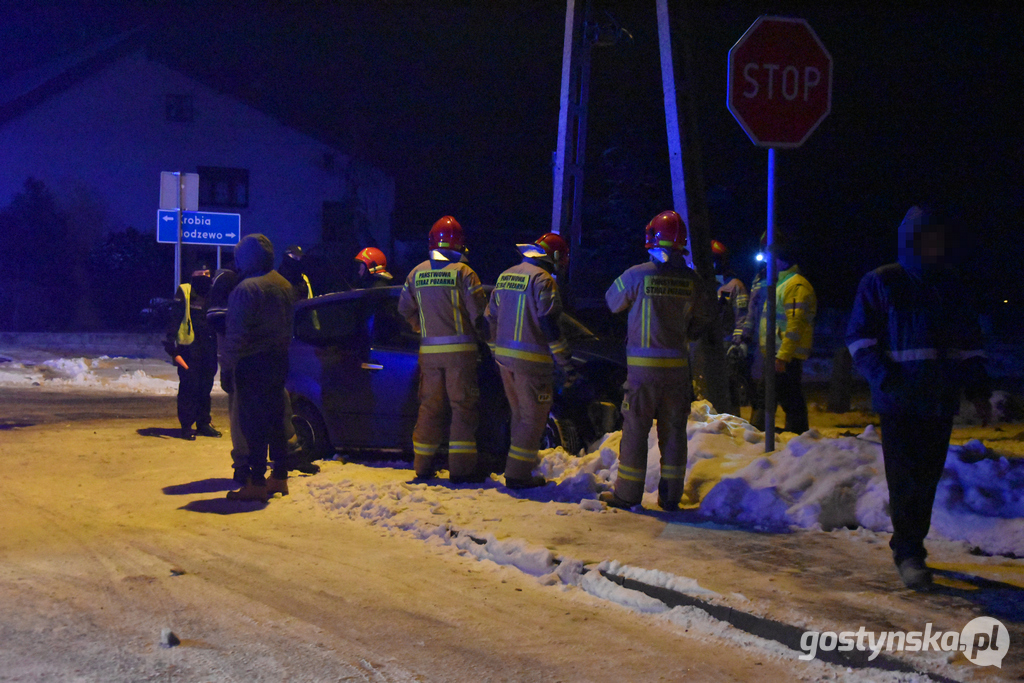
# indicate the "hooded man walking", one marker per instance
pixel 915 337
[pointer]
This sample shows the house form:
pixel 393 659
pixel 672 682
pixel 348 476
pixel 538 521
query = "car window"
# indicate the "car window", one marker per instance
pixel 389 328
pixel 336 322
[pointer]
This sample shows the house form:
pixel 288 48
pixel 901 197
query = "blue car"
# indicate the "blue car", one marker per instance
pixel 353 380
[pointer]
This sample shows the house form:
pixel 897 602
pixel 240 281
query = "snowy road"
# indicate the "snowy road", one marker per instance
pixel 111 531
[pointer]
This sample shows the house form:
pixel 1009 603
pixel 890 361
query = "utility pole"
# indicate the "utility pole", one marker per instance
pixel 689 196
pixel 572 130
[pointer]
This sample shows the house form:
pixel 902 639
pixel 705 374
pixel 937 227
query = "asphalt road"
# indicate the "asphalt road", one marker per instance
pixel 31 406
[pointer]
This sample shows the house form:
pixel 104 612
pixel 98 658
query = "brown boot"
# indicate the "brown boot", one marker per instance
pixel 275 485
pixel 250 491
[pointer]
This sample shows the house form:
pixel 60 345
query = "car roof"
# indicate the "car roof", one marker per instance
pixel 374 293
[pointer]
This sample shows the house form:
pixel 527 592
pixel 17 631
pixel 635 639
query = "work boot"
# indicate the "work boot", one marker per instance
pixel 424 477
pixel 530 483
pixel 187 433
pixel 611 500
pixel 275 485
pixel 914 573
pixel 250 491
pixel 207 430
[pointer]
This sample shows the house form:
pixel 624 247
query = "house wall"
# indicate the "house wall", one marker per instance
pixel 107 137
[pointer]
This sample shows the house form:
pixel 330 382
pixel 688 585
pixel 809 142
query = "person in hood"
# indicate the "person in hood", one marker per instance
pixel 669 306
pixel 914 335
pixel 258 330
pixel 443 300
pixel 522 317
pixel 292 271
pixel 192 347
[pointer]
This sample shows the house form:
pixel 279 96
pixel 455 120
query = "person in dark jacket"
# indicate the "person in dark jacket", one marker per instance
pixel 192 347
pixel 258 330
pixel 914 336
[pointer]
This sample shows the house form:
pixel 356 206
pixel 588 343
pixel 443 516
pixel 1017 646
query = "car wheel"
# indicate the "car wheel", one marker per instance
pixel 561 431
pixel 311 432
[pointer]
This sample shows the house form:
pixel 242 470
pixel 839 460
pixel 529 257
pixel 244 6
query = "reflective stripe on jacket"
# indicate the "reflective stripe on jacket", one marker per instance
pixel 443 300
pixel 795 309
pixel 667 308
pixel 916 340
pixel 523 318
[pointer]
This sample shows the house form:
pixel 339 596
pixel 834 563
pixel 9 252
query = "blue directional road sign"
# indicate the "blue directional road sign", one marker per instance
pixel 199 227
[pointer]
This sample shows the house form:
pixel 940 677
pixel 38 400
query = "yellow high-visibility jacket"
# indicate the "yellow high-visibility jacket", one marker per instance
pixel 795 308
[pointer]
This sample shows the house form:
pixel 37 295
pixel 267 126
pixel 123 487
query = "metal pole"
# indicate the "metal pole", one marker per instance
pixel 573 23
pixel 177 246
pixel 218 257
pixel 772 275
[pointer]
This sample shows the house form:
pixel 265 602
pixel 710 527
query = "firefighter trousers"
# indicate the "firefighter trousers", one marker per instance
pixel 529 398
pixel 667 400
pixel 442 388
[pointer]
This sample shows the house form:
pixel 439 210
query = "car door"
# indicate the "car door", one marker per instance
pixel 330 350
pixel 393 370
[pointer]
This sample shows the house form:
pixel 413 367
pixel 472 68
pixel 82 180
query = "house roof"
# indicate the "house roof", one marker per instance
pixel 25 89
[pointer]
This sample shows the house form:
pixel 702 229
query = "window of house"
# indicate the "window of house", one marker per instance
pixel 178 108
pixel 226 187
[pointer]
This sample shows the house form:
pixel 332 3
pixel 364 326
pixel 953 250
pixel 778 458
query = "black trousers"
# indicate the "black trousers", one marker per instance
pixel 914 449
pixel 789 392
pixel 195 384
pixel 259 387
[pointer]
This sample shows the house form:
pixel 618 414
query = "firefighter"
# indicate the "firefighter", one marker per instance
pixel 733 301
pixel 522 318
pixel 669 305
pixel 444 301
pixel 193 348
pixel 795 309
pixel 373 269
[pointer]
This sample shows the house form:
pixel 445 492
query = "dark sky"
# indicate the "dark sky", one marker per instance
pixel 459 102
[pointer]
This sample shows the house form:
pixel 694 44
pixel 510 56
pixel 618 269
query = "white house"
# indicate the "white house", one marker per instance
pixel 105 124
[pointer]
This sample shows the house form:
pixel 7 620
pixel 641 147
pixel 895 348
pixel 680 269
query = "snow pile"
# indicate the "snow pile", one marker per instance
pixel 104 373
pixel 814 482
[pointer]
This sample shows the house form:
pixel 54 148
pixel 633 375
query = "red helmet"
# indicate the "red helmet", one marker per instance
pixel 447 234
pixel 667 231
pixel 374 260
pixel 718 249
pixel 556 248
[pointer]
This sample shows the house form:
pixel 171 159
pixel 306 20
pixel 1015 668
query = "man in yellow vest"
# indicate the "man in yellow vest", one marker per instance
pixel 795 308
pixel 192 345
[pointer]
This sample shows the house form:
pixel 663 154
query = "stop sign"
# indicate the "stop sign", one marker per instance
pixel 780 81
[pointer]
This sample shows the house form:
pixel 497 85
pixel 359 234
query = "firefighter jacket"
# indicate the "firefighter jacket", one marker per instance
pixel 522 317
pixel 733 301
pixel 795 309
pixel 443 300
pixel 914 335
pixel 668 306
pixel 744 331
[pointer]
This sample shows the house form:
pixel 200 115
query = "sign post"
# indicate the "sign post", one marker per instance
pixel 779 90
pixel 178 192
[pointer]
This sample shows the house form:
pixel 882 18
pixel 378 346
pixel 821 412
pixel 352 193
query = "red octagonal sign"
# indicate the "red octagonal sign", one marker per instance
pixel 780 81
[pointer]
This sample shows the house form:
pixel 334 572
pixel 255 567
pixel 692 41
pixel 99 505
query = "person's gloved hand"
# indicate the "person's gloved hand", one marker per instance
pixel 737 351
